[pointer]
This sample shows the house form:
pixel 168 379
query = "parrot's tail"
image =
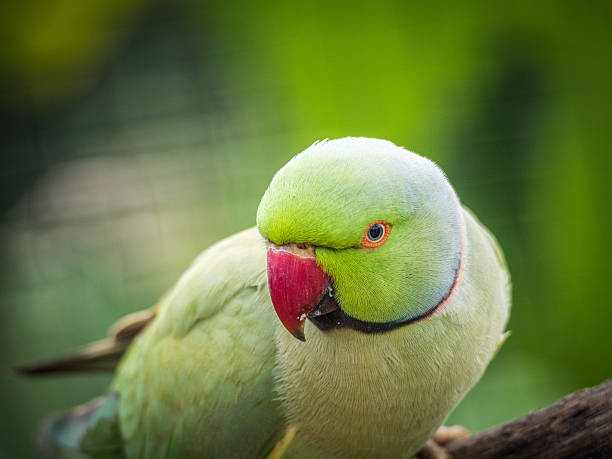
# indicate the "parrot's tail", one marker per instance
pixel 86 431
pixel 103 355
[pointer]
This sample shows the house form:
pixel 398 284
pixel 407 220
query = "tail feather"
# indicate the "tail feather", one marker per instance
pixel 103 355
pixel 99 356
pixel 89 431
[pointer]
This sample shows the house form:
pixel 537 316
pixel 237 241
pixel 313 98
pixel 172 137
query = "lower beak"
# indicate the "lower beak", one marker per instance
pixel 297 284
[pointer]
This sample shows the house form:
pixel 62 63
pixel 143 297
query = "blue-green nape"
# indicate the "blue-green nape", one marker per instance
pixel 329 194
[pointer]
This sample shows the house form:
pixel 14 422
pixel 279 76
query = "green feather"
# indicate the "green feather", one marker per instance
pixel 87 431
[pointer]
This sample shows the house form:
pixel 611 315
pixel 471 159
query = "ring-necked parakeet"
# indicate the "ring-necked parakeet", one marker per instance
pixel 397 295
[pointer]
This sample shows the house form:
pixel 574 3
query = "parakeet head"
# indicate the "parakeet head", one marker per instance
pixel 363 234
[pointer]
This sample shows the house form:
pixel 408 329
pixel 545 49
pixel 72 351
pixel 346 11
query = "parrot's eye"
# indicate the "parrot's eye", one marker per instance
pixel 376 234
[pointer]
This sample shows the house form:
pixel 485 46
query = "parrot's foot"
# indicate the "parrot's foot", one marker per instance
pixel 434 448
pixel 281 445
pixel 445 435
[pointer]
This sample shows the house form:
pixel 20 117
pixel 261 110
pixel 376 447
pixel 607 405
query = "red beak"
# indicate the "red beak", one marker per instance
pixel 296 283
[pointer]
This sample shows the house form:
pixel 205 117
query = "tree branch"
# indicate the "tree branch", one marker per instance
pixel 577 426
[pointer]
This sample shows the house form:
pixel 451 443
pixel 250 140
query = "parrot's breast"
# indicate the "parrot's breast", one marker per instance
pixel 355 394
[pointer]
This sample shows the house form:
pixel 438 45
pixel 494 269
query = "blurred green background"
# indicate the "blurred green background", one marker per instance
pixel 136 133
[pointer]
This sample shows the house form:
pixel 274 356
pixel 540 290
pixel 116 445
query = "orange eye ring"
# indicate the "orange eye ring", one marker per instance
pixel 376 234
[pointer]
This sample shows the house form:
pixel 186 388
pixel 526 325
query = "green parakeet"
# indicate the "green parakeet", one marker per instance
pixel 397 295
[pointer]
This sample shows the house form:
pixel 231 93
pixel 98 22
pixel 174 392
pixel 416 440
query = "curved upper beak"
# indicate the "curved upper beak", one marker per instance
pixel 297 284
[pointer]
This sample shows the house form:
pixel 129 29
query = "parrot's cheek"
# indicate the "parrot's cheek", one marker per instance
pixel 297 284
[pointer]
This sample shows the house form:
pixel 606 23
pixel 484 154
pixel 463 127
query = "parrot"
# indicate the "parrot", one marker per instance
pixel 347 323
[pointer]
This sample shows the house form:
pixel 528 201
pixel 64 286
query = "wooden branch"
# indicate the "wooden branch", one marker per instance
pixel 577 426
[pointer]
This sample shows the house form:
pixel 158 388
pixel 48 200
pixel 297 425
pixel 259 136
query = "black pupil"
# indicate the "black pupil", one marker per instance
pixel 375 232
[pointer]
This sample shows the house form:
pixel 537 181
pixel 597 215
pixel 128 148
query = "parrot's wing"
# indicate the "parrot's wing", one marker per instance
pixel 86 431
pixel 102 355
pixel 502 339
pixel 199 381
pixel 196 379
